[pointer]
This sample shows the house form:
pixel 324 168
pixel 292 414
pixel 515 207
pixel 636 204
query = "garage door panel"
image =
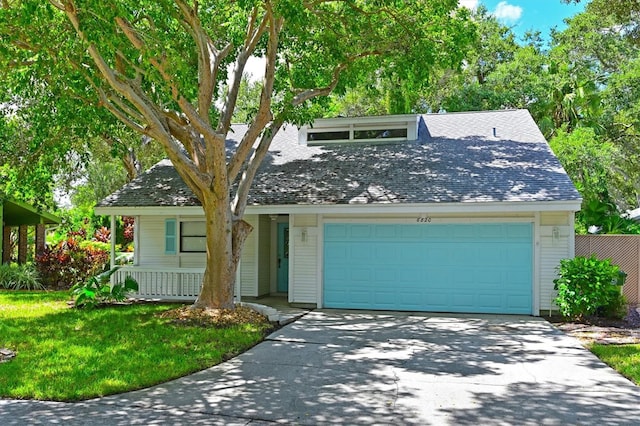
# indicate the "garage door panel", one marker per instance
pixel 438 267
pixel 463 301
pixel 518 302
pixel 437 300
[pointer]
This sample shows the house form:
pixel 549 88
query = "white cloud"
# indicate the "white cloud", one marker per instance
pixel 507 12
pixel 469 4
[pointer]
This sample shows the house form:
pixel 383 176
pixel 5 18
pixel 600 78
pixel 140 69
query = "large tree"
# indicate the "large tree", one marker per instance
pixel 159 67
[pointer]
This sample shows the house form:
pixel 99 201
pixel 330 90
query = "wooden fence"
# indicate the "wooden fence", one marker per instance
pixel 623 250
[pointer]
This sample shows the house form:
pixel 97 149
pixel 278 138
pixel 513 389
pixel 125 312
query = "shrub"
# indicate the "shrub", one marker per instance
pixel 128 229
pixel 95 245
pixel 97 290
pixel 102 234
pixel 68 263
pixel 587 286
pixel 19 277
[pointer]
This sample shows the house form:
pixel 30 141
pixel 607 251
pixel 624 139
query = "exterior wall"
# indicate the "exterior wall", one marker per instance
pixel 553 235
pixel 555 218
pixel 556 235
pixel 305 261
pixel 249 260
pixel 151 252
pixel 151 247
pixel 264 254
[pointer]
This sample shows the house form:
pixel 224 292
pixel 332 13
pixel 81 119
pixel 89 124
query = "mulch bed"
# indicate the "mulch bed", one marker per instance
pixel 606 331
pixel 188 316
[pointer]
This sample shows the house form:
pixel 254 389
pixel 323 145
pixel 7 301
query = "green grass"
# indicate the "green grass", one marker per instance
pixel 625 359
pixel 68 354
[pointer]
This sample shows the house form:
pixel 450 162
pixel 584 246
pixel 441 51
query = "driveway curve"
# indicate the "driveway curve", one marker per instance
pixel 356 367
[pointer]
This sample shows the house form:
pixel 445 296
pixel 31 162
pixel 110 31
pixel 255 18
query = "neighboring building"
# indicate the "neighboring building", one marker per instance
pixel 464 212
pixel 18 215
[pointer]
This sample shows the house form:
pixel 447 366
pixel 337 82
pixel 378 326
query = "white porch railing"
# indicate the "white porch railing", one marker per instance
pixel 165 284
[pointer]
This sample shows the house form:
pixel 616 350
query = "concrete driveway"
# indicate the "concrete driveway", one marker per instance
pixel 354 367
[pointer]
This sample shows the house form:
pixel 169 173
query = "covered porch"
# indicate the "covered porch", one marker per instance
pixel 169 257
pixel 20 217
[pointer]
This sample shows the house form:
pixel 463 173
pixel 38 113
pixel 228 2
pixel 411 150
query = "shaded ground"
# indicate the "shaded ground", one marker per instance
pixel 359 367
pixel 603 330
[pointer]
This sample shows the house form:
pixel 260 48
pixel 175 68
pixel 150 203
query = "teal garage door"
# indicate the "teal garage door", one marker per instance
pixel 479 268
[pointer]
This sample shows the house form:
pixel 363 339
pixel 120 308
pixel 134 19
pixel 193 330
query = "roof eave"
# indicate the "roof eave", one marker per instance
pixel 27 210
pixel 460 207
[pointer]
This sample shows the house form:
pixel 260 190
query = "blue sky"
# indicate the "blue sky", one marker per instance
pixel 524 15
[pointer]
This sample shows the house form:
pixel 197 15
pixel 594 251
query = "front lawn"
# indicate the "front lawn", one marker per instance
pixel 625 359
pixel 68 354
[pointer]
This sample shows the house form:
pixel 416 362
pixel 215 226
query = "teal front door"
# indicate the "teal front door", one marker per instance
pixel 283 258
pixel 484 268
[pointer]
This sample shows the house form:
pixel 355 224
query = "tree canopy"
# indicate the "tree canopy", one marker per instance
pixel 159 67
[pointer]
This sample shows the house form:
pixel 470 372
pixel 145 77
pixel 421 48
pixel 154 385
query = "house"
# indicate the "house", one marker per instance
pixel 463 212
pixel 18 215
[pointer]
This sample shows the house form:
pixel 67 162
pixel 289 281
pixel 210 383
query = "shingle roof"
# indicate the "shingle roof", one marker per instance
pixel 456 158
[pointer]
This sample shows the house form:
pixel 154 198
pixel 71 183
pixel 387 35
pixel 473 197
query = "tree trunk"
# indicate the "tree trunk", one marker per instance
pixel 131 164
pixel 219 274
pixel 225 239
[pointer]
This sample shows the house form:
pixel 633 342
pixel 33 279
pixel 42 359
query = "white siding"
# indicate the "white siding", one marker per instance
pixel 303 281
pixel 264 255
pixel 554 218
pixel 151 252
pixel 302 220
pixel 554 246
pixel 249 260
pixel 193 260
pixel 151 248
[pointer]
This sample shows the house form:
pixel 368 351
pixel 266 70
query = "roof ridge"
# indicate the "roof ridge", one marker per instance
pixel 474 112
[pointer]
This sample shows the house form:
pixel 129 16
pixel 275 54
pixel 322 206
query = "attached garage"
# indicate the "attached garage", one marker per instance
pixel 480 268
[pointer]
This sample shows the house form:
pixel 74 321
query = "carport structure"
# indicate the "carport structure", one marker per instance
pixel 16 214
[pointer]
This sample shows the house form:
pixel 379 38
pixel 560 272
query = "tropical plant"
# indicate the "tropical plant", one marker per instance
pixel 588 285
pixel 97 290
pixel 102 235
pixel 67 263
pixel 19 277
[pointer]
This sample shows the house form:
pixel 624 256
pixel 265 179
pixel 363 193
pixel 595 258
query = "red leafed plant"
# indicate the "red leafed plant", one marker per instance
pixel 102 234
pixel 128 221
pixel 66 263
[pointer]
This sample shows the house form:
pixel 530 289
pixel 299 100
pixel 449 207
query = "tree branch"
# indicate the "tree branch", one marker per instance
pixel 308 94
pixel 252 39
pixel 264 115
pixel 209 58
pixel 157 125
pixel 239 203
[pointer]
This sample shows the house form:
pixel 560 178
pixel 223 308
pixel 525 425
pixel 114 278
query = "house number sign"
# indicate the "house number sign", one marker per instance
pixel 423 219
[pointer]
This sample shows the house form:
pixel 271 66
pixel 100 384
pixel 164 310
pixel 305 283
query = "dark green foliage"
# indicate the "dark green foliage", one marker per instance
pixel 606 217
pixel 19 277
pixel 589 286
pixel 97 290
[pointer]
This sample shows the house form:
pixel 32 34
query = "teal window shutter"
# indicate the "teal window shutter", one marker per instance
pixel 170 237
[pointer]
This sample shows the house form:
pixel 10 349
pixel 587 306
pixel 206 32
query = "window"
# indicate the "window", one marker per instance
pixel 328 136
pixel 193 237
pixel 170 236
pixel 341 130
pixel 380 133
